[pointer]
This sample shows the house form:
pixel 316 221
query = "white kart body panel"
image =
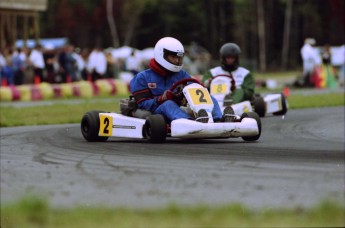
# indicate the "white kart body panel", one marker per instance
pixel 120 126
pixel 273 103
pixel 183 128
pixel 242 107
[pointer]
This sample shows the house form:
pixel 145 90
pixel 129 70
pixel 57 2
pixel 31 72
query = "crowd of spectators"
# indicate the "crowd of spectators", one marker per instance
pixel 69 64
pixel 57 65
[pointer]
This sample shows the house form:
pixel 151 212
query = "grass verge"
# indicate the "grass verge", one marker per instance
pixel 72 113
pixel 36 212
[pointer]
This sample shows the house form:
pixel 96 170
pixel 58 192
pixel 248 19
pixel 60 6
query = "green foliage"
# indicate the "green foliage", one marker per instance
pixel 35 212
pixel 210 23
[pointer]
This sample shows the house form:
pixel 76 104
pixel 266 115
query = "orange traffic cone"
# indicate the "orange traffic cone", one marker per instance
pixel 37 80
pixel 286 91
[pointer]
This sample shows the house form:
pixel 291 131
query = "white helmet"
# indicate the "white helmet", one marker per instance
pixel 166 46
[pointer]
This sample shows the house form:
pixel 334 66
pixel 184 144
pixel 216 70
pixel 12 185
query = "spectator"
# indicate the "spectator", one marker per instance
pixel 341 72
pixel 133 63
pixel 112 69
pixel 80 63
pixel 37 61
pixel 84 54
pixel 327 72
pixel 2 65
pixel 67 64
pixel 22 54
pixel 7 72
pixel 50 61
pixel 18 65
pixel 97 64
pixel 311 60
pixel 326 55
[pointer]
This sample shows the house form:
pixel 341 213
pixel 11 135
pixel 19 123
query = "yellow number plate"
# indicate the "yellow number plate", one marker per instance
pixel 105 125
pixel 219 88
pixel 200 96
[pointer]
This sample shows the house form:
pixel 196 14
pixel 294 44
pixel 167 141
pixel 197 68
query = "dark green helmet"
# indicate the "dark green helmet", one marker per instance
pixel 230 49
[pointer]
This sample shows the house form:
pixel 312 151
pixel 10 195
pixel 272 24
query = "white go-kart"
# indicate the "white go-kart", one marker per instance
pixel 220 88
pixel 141 124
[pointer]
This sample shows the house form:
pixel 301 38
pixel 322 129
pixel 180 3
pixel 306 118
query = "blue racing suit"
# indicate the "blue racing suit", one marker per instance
pixel 147 86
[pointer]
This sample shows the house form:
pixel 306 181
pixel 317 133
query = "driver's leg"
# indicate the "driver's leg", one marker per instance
pixel 216 112
pixel 171 111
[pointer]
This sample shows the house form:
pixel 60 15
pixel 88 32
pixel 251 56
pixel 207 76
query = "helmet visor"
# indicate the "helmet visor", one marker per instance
pixel 172 57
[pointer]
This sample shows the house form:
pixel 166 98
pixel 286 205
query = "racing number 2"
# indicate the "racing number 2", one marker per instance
pixel 106 122
pixel 200 96
pixel 105 127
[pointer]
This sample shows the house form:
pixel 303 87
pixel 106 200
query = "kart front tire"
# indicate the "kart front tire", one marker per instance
pixel 284 106
pixel 90 127
pixel 155 129
pixel 259 106
pixel 255 116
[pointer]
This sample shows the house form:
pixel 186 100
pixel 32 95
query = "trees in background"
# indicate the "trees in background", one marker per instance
pixel 270 32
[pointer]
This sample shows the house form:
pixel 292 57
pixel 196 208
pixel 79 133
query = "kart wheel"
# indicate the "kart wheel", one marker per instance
pixel 255 116
pixel 259 106
pixel 90 127
pixel 284 106
pixel 155 129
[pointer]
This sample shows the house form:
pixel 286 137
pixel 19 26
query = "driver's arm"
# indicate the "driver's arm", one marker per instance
pixel 142 94
pixel 246 92
pixel 206 79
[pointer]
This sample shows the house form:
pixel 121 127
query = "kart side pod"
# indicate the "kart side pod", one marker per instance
pixel 98 126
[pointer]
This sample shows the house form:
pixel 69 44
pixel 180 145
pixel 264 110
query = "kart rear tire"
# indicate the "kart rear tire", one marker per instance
pixel 284 106
pixel 90 127
pixel 155 129
pixel 259 106
pixel 255 116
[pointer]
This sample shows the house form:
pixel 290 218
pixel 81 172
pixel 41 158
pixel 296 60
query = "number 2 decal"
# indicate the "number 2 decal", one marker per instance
pixel 105 128
pixel 200 96
pixel 106 122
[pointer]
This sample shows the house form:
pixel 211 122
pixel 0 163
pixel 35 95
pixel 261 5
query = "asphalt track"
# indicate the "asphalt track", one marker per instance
pixel 297 162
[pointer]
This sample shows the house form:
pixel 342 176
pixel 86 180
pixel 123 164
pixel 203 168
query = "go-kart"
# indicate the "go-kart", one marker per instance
pixel 137 123
pixel 221 86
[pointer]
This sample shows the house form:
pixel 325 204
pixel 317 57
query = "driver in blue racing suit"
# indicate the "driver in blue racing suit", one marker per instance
pixel 150 87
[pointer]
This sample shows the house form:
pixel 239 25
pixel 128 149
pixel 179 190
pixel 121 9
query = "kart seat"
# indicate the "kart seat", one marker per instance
pixel 141 113
pixel 129 107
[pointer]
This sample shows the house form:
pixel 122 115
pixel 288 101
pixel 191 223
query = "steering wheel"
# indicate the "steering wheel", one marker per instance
pixel 232 80
pixel 180 85
pixel 184 82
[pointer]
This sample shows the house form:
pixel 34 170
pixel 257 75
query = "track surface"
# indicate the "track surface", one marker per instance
pixel 298 161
